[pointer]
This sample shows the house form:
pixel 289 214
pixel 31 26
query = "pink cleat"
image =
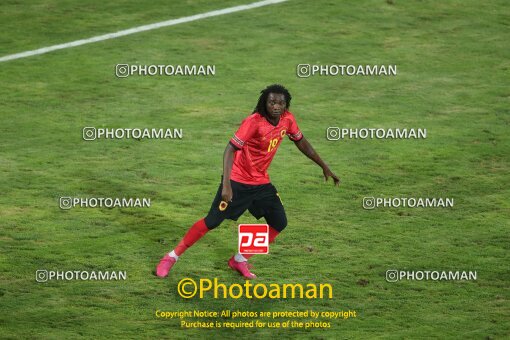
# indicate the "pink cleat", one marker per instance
pixel 241 267
pixel 164 266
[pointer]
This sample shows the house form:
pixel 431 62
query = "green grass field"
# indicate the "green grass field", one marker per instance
pixel 453 80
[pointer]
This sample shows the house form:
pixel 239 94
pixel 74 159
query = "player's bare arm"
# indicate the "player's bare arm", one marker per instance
pixel 228 160
pixel 306 148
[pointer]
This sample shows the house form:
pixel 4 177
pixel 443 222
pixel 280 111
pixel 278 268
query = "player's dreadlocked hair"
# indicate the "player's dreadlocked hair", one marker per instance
pixel 275 88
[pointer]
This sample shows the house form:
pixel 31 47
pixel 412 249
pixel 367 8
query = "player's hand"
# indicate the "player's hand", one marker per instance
pixel 226 193
pixel 328 173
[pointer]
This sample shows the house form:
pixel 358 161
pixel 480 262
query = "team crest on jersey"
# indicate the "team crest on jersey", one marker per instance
pixel 283 132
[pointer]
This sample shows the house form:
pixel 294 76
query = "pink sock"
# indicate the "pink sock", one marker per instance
pixel 272 235
pixel 195 233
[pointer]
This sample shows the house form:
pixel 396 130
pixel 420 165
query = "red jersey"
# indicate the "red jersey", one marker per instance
pixel 257 140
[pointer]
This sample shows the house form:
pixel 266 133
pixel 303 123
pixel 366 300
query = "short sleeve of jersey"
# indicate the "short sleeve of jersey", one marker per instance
pixel 293 131
pixel 244 133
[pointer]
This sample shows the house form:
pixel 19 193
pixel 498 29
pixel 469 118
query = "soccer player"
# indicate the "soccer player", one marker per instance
pixel 245 183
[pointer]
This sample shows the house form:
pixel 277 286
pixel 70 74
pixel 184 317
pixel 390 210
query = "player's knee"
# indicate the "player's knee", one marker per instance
pixel 277 222
pixel 212 221
pixel 280 227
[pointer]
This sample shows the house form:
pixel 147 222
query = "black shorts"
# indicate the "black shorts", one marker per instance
pixel 261 201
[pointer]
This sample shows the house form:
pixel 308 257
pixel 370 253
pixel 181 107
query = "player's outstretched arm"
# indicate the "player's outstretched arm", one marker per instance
pixel 305 147
pixel 228 161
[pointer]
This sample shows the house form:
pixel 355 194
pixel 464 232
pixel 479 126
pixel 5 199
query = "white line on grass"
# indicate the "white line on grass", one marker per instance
pixel 140 29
